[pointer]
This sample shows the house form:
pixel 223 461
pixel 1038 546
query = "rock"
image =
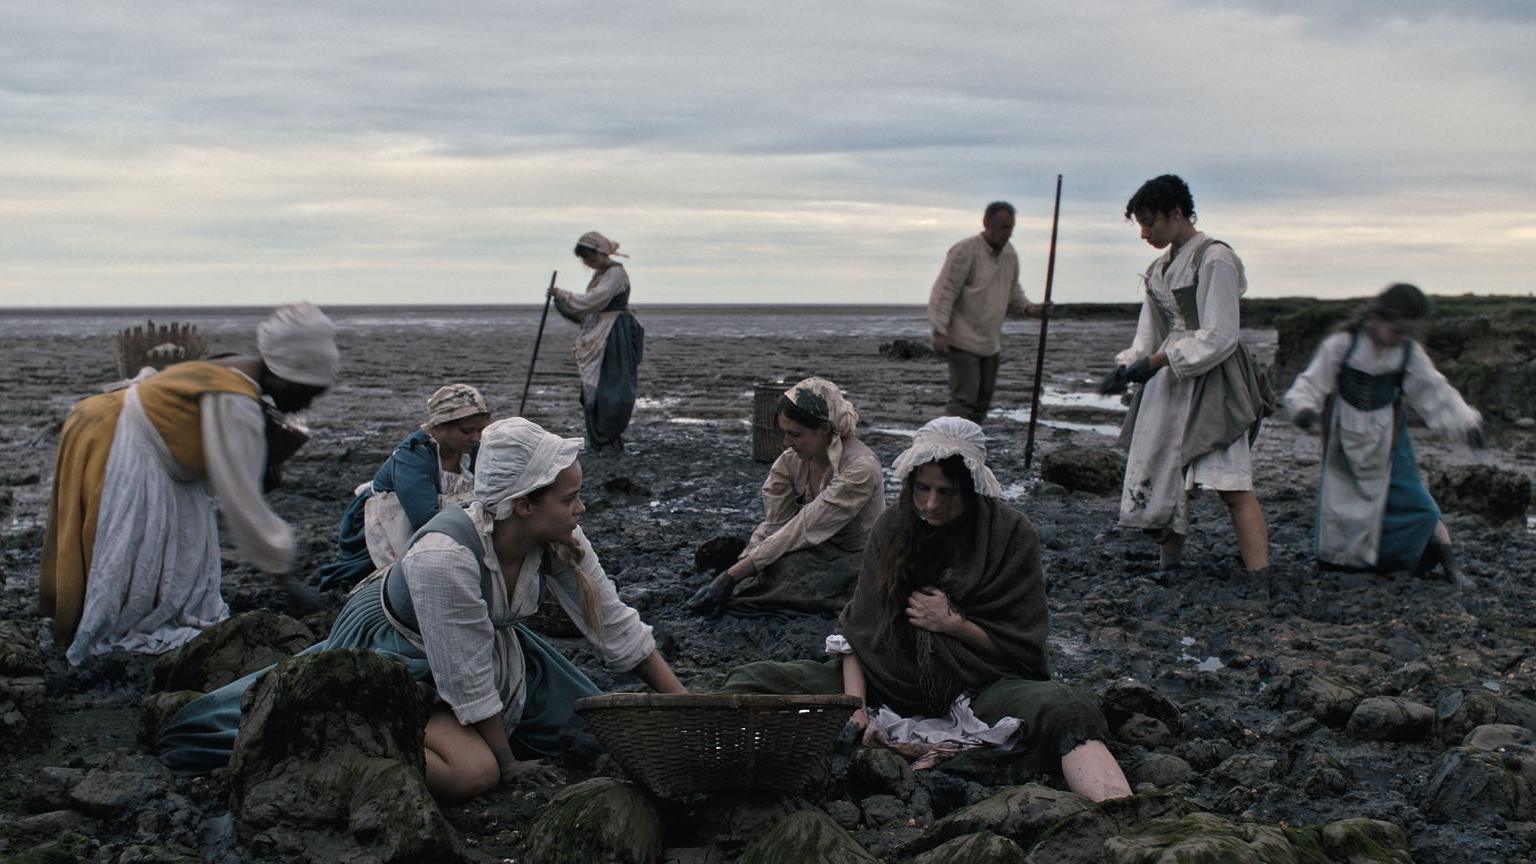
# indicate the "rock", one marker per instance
pixel 19 655
pixel 624 486
pixel 878 771
pixel 1525 423
pixel 107 794
pixel 156 711
pixel 1365 841
pixel 1088 469
pixel 1161 769
pixel 979 848
pixel 731 822
pixel 1391 718
pixel 882 810
pixel 1197 839
pixel 1497 736
pixel 803 837
pixel 1128 697
pixel 717 553
pixel 1330 701
pixel 1327 774
pixel 1248 770
pixel 846 813
pixel 906 349
pixel 24 715
pixel 1019 813
pixel 232 649
pixel 329 762
pixel 1143 731
pixel 50 787
pixel 601 819
pixel 1460 710
pixel 1467 783
pixel 1496 494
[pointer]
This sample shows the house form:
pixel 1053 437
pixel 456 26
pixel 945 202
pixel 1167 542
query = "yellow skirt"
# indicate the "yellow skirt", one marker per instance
pixel 78 479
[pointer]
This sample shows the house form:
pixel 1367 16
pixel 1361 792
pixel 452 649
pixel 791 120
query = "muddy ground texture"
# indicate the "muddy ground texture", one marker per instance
pixel 1263 690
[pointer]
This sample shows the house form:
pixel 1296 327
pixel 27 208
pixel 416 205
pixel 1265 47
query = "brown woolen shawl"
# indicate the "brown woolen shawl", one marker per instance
pixel 995 582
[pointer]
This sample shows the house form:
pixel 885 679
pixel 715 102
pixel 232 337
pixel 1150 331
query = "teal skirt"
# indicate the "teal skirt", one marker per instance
pixel 1411 513
pixel 201 737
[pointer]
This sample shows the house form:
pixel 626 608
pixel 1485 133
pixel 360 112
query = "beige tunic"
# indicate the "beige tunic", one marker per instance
pixel 975 291
pixel 595 323
pixel 839 513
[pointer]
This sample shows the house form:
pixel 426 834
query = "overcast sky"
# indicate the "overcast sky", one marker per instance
pixel 404 152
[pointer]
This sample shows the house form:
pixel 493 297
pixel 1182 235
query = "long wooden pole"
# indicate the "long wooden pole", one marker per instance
pixel 548 296
pixel 1045 320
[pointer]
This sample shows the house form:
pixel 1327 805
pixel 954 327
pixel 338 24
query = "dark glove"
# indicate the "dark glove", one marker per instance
pixel 301 598
pixel 1141 371
pixel 1476 439
pixel 1114 382
pixel 710 600
pixel 1305 419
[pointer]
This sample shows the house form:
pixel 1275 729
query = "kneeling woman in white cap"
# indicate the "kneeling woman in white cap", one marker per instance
pixel 945 635
pixel 456 599
pixel 131 558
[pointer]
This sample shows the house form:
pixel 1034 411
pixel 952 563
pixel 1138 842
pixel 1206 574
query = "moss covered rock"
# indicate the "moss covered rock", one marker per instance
pixel 602 819
pixel 157 709
pixel 980 848
pixel 1493 493
pixel 1200 838
pixel 806 836
pixel 1088 469
pixel 232 649
pixel 1468 783
pixel 1019 813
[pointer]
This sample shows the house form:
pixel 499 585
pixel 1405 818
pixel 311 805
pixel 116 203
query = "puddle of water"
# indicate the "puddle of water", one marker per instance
pixel 690 421
pixel 1080 399
pixel 1187 641
pixel 653 402
pixel 1530 524
pixel 1493 685
pixel 1210 664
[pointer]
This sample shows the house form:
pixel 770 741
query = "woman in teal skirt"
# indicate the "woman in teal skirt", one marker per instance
pixel 451 609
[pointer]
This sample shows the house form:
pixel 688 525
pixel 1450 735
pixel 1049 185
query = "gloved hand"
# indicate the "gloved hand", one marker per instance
pixel 710 600
pixel 1114 382
pixel 1476 439
pixel 1141 371
pixel 1305 419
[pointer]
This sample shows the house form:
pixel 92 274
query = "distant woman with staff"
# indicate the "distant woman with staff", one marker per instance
pixel 1373 510
pixel 822 496
pixel 611 342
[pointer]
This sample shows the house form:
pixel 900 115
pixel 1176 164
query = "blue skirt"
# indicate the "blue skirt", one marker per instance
pixel 607 411
pixel 353 564
pixel 1411 513
pixel 201 737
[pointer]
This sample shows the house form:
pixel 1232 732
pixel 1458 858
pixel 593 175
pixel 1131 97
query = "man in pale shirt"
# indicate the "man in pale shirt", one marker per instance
pixel 976 290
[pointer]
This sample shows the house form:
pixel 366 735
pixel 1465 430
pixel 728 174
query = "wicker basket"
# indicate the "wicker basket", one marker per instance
pixel 724 742
pixel 159 347
pixel 767 440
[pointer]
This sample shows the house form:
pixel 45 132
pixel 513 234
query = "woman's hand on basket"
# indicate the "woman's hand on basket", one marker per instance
pixel 530 772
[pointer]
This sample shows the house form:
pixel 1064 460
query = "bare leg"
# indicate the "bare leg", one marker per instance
pixel 1442 534
pixel 1252 533
pixel 460 765
pixel 1092 772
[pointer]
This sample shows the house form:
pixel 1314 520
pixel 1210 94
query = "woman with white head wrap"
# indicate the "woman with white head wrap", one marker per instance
pixel 945 634
pixel 131 559
pixel 611 342
pixel 433 465
pixel 822 495
pixel 452 608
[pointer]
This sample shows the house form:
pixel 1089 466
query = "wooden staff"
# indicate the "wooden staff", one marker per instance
pixel 1045 320
pixel 548 296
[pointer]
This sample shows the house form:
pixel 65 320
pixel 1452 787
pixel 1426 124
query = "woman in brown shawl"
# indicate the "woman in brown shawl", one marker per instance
pixel 948 621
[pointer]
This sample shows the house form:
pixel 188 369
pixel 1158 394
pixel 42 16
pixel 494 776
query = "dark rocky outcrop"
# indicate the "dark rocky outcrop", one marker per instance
pixel 602 819
pixel 808 835
pixel 232 649
pixel 1089 469
pixel 1493 493
pixel 907 349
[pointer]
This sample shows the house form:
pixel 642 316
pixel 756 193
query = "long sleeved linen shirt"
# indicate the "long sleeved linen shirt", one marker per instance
pixel 839 513
pixel 975 291
pixel 235 453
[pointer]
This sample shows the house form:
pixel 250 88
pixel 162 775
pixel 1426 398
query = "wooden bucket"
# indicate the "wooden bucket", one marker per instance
pixel 159 347
pixel 767 440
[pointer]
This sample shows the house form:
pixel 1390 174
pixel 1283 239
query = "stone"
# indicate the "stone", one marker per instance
pixel 879 771
pixel 107 794
pixel 1365 841
pixel 1127 697
pixel 1468 783
pixel 1161 769
pixel 1332 702
pixel 906 349
pixel 1460 710
pixel 882 810
pixel 1496 494
pixel 156 711
pixel 50 787
pixel 717 553
pixel 1079 838
pixel 1497 736
pixel 1020 813
pixel 19 655
pixel 1391 718
pixel 602 819
pixel 979 848
pixel 1326 774
pixel 24 714
pixel 1099 470
pixel 1199 838
pixel 1248 770
pixel 329 762
pixel 846 813
pixel 1143 731
pixel 230 650
pixel 805 836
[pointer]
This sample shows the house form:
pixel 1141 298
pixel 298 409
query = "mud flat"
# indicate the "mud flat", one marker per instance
pixel 1264 732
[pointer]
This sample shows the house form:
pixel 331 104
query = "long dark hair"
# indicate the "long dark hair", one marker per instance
pixel 919 553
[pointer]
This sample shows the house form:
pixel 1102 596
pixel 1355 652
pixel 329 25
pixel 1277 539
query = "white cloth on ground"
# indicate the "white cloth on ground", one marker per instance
pixel 461 630
pixel 960 728
pixel 154 577
pixel 592 340
pixel 1155 493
